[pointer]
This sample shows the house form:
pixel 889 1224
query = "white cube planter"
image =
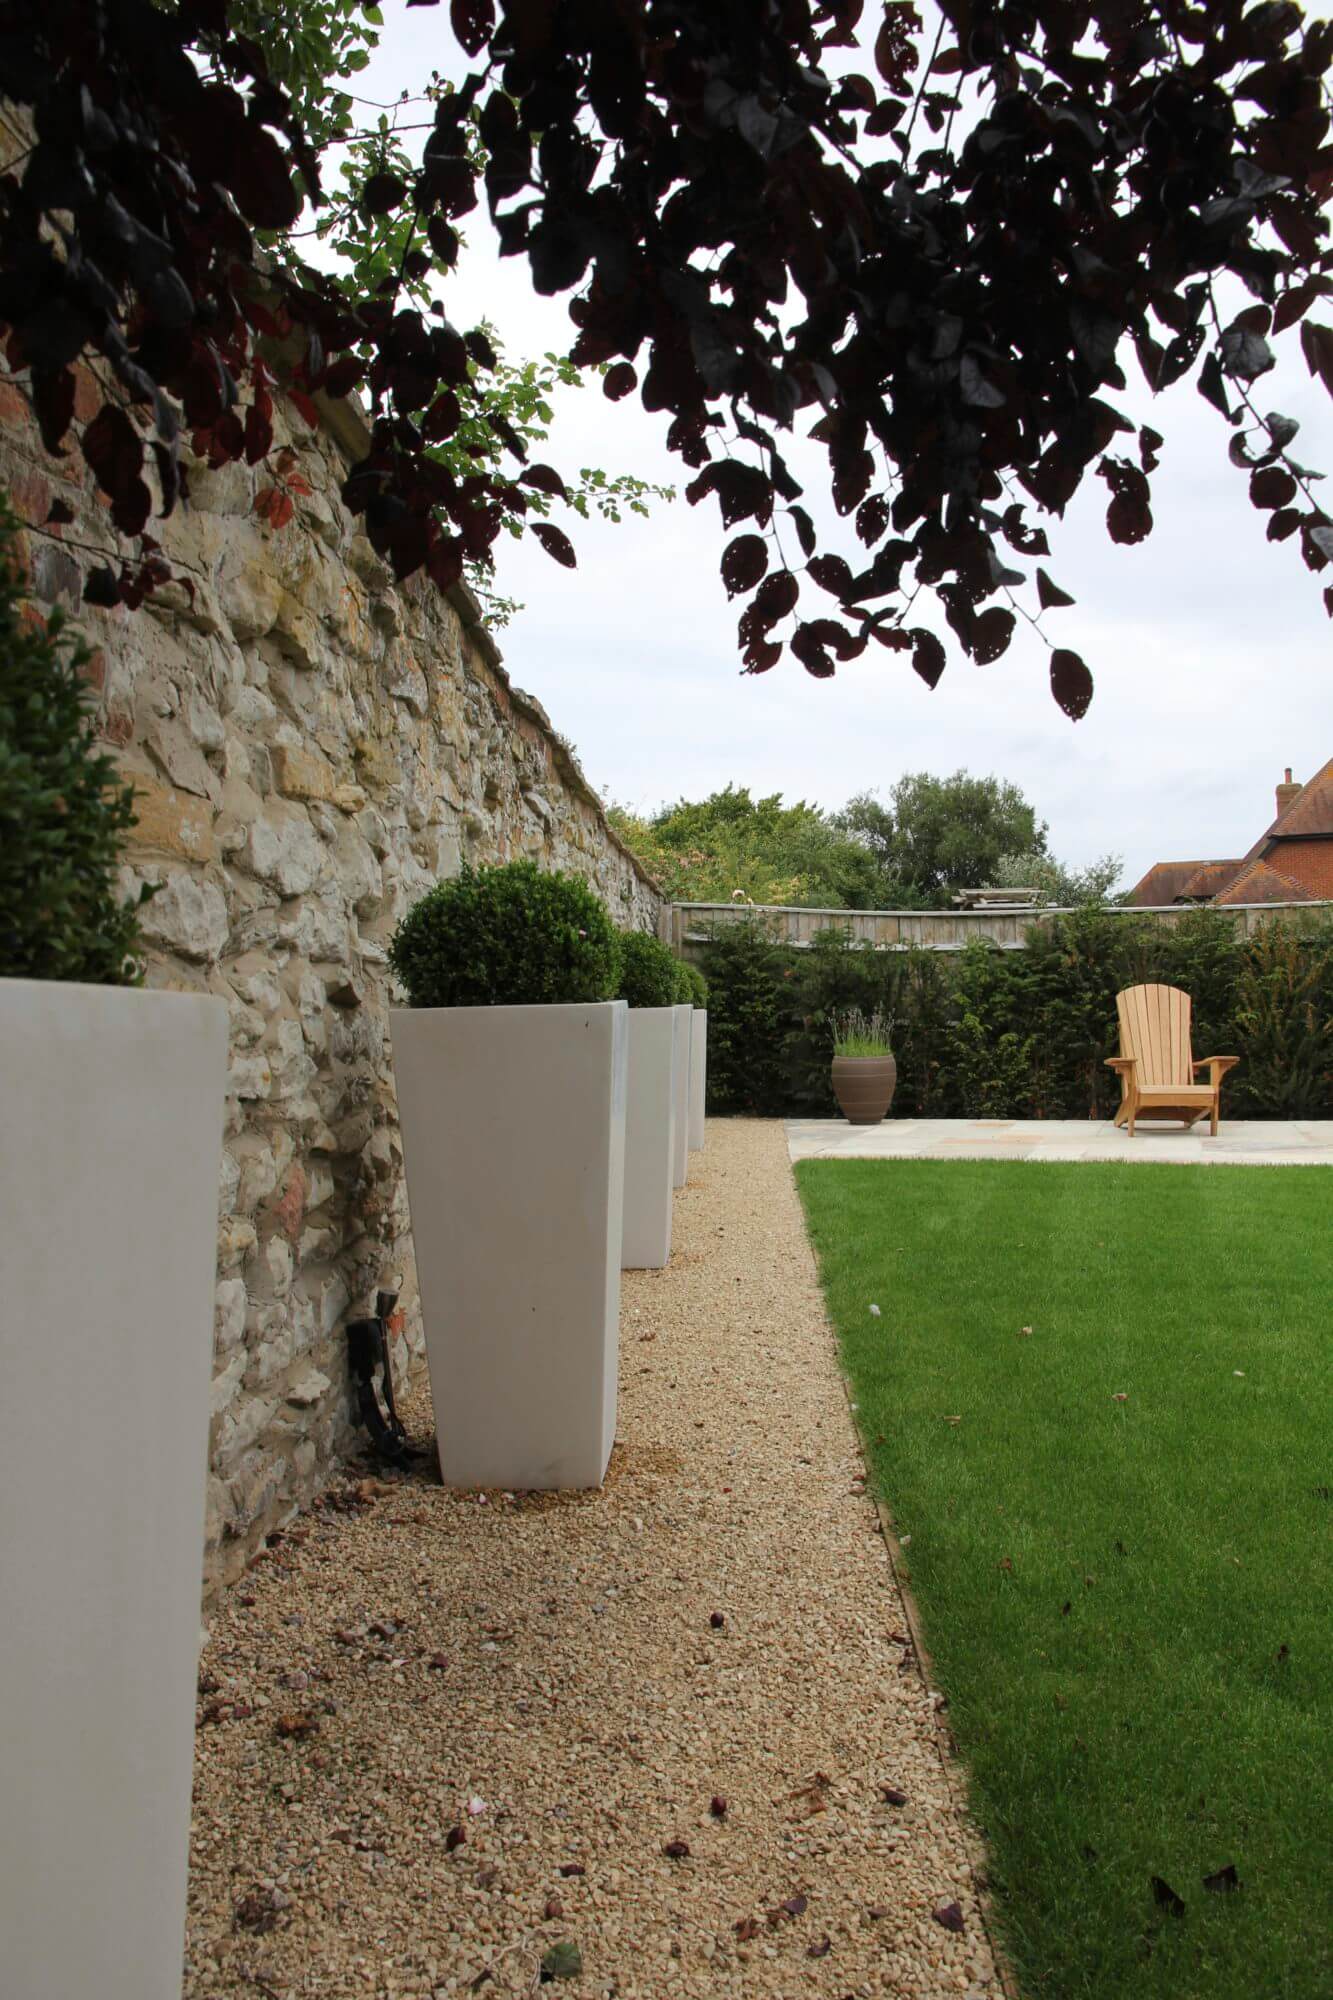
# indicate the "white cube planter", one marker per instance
pixel 680 1145
pixel 698 1076
pixel 650 1138
pixel 513 1122
pixel 112 1105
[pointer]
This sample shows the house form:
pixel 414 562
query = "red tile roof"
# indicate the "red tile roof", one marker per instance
pixel 1259 882
pixel 1310 812
pixel 1169 881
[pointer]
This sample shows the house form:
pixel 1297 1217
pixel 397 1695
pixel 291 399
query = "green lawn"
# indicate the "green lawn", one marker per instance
pixel 1129 1603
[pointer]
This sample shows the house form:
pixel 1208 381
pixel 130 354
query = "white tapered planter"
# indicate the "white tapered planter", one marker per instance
pixel 513 1122
pixel 650 1138
pixel 112 1109
pixel 680 1144
pixel 698 1076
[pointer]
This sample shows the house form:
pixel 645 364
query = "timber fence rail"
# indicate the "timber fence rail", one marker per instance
pixel 692 924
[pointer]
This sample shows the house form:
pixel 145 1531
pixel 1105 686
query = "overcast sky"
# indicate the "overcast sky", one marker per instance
pixel 1210 646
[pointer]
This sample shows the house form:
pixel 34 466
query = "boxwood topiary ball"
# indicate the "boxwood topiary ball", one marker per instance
pixel 647 971
pixel 507 936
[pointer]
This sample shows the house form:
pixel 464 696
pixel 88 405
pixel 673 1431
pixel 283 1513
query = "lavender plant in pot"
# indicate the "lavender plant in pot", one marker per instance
pixel 865 1074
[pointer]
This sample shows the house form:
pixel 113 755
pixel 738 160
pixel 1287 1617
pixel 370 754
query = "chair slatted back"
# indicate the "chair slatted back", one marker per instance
pixel 1155 1030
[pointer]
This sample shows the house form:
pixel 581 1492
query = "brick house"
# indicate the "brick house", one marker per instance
pixel 1292 862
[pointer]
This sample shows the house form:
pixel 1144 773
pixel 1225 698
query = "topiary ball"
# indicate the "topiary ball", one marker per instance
pixel 647 971
pixel 508 936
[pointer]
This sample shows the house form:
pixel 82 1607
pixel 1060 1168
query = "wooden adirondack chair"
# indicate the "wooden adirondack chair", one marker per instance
pixel 1156 1065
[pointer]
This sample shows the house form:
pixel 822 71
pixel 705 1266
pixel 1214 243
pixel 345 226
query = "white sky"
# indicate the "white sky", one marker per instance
pixel 1210 647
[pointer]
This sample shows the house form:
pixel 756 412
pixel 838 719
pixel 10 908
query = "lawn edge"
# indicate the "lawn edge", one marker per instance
pixel 952 1766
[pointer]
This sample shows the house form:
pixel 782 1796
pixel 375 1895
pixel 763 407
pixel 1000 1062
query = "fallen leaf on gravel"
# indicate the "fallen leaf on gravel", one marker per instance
pixel 562 1961
pixel 476 1806
pixel 438 1662
pixel 348 1635
pixel 554 1908
pixel 677 1849
pixel 1224 1881
pixel 748 1928
pixel 225 1711
pixel 385 1628
pixel 794 1906
pixel 878 1910
pixel 208 1684
pixel 455 1837
pixel 257 1912
pixel 572 1868
pixel 717 1620
pixel 892 1796
pixel 820 1950
pixel 718 1806
pixel 949 1917
pixel 297 1726
pixel 1166 1898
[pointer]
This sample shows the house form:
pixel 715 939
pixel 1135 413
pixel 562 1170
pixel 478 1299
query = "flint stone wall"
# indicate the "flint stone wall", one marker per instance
pixel 312 747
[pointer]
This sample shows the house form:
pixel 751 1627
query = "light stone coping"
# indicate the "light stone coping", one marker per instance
pixel 1257 1142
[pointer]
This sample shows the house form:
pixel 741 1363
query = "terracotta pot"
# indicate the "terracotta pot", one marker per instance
pixel 864 1087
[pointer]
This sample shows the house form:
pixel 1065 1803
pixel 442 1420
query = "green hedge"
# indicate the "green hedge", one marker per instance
pixel 984 1033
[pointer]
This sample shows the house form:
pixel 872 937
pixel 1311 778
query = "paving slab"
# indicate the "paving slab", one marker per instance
pixel 1257 1142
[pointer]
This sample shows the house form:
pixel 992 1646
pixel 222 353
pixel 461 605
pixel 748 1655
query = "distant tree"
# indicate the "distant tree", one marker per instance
pixel 934 836
pixel 731 847
pixel 1068 888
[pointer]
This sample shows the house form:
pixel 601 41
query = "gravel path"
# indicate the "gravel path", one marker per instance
pixel 441 1734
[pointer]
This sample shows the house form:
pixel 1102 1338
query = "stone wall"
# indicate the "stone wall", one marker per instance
pixel 312 747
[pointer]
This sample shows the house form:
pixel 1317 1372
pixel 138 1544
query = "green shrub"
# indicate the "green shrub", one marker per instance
pixel 695 986
pixel 746 1071
pixel 647 971
pixel 507 936
pixel 63 812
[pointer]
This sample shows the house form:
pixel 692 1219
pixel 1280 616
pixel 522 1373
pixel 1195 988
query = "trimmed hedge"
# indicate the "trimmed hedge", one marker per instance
pixel 511 935
pixel 984 1033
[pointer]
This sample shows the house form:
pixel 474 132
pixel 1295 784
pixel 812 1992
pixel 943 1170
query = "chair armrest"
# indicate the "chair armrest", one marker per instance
pixel 1121 1062
pixel 1219 1065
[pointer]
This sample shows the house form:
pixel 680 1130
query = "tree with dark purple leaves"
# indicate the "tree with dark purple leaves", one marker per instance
pixel 945 258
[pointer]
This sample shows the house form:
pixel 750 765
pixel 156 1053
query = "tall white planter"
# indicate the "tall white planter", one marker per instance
pixel 650 1138
pixel 698 1076
pixel 112 1112
pixel 513 1122
pixel 680 1145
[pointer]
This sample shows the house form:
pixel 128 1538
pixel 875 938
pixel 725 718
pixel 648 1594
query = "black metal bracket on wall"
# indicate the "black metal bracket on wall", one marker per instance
pixel 368 1355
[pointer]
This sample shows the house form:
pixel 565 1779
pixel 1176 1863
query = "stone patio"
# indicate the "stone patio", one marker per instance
pixel 1242 1143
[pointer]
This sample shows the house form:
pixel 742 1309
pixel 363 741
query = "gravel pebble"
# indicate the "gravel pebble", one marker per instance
pixel 546 1676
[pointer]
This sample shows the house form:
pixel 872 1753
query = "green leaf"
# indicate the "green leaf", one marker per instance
pixel 562 1961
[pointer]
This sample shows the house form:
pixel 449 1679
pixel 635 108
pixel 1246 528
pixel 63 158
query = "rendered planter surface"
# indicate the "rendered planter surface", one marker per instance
pixel 108 1244
pixel 698 1076
pixel 650 1138
pixel 513 1122
pixel 864 1087
pixel 681 1073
